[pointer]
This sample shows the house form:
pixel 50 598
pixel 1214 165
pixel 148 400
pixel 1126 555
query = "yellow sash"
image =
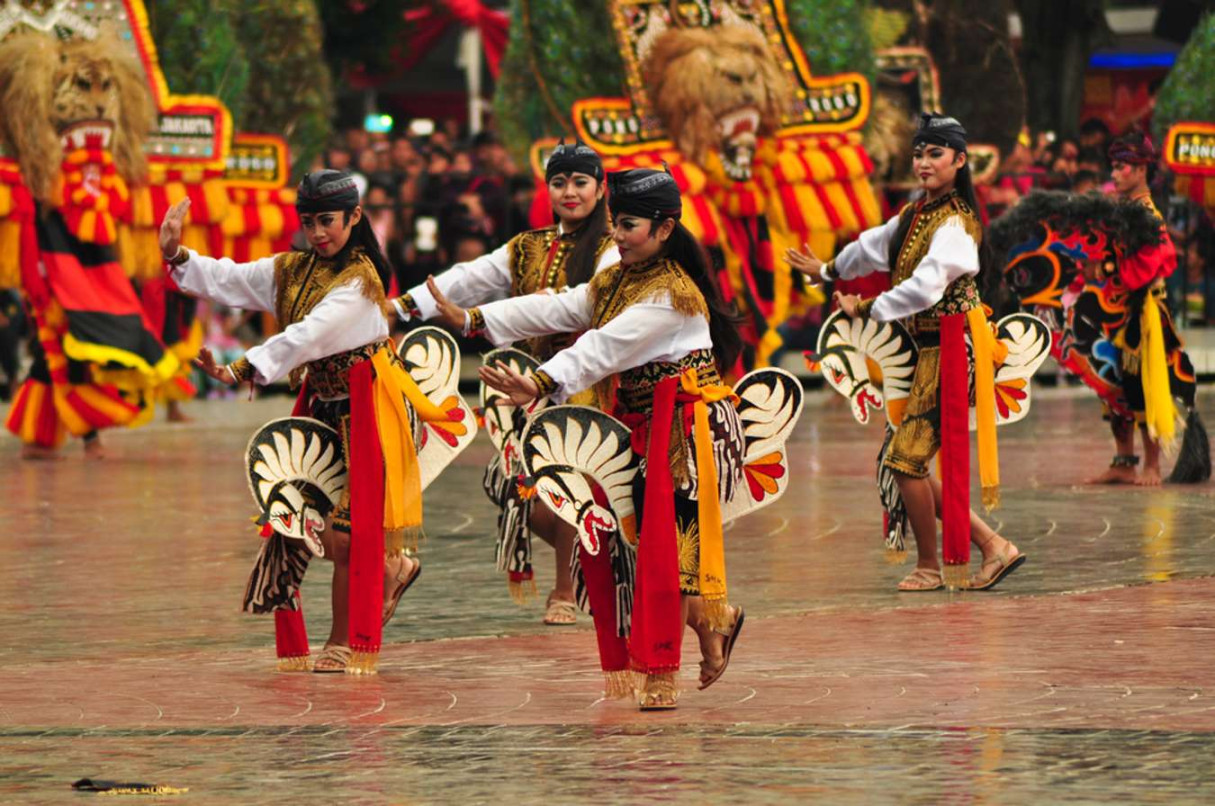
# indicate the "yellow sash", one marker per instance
pixel 402 478
pixel 708 506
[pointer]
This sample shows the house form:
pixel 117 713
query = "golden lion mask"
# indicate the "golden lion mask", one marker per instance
pixel 718 90
pixel 47 86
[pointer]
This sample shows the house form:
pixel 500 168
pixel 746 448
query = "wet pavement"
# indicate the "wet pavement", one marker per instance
pixel 1084 678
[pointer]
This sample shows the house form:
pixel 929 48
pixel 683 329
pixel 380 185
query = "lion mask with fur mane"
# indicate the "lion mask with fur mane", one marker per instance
pixel 717 90
pixel 48 86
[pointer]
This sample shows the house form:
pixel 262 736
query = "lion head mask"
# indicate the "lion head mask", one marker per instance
pixel 717 90
pixel 54 91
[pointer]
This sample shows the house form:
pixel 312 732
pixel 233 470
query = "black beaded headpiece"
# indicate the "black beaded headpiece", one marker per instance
pixel 940 131
pixel 576 158
pixel 327 190
pixel 644 193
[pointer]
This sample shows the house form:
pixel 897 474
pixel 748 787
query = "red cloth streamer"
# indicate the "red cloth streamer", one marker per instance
pixel 657 623
pixel 290 634
pixel 955 441
pixel 601 590
pixel 365 466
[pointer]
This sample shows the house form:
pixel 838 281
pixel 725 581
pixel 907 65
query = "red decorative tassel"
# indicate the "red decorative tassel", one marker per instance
pixel 955 448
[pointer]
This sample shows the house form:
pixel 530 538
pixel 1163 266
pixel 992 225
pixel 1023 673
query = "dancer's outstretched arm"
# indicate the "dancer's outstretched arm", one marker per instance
pixel 249 286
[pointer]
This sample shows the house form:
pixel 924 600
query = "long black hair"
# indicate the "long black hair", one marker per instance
pixel 363 237
pixel 580 265
pixel 683 248
pixel 990 279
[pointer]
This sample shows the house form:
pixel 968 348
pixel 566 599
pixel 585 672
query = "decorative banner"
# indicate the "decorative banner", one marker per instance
pixel 1189 148
pixel 258 161
pixel 833 104
pixel 911 68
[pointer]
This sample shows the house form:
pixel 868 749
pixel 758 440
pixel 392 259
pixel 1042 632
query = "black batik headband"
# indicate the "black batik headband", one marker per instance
pixel 644 193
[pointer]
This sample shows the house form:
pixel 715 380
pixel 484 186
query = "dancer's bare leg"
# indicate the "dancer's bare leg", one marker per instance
pixel 561 536
pixel 337 550
pixel 982 535
pixel 174 414
pixel 1151 460
pixel 1124 445
pixel 43 453
pixel 712 642
pixel 922 513
pixel 93 449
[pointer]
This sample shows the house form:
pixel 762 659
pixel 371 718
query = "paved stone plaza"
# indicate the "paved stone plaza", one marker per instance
pixel 1085 678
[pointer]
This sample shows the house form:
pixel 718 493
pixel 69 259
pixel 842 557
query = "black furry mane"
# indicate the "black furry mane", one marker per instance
pixel 1129 224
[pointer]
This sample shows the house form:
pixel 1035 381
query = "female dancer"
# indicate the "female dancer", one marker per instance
pixel 932 250
pixel 331 304
pixel 658 331
pixel 568 253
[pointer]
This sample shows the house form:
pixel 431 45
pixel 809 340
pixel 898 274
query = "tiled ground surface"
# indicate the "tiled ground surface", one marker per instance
pixel 1084 679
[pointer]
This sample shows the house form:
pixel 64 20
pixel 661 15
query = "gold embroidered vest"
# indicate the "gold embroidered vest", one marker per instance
pixel 618 287
pixel 301 281
pixel 537 260
pixel 962 294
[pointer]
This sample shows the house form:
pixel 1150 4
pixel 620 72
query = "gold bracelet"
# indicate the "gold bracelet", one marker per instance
pixel 241 370
pixel 544 382
pixel 180 257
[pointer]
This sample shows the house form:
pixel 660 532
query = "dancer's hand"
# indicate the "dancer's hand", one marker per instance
pixel 449 314
pixel 170 229
pixel 220 372
pixel 848 303
pixel 805 262
pixel 519 388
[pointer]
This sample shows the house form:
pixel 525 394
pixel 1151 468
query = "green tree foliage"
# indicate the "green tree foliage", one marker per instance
pixel 199 50
pixel 559 51
pixel 364 34
pixel 834 34
pixel 981 84
pixel 290 91
pixel 262 58
pixel 1057 40
pixel 1188 93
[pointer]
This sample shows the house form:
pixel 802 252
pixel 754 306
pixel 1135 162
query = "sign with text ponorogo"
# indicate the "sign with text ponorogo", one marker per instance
pixel 1189 148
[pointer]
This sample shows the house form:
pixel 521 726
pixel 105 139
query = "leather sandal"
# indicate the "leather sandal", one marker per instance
pixel 1004 564
pixel 660 694
pixel 559 613
pixel 922 580
pixel 390 604
pixel 333 659
pixel 726 651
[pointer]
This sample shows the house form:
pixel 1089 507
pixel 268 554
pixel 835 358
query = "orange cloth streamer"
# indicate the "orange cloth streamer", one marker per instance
pixel 708 506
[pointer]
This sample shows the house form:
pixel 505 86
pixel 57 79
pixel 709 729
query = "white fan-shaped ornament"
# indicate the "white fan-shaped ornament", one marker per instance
pixel 297 476
pixel 432 358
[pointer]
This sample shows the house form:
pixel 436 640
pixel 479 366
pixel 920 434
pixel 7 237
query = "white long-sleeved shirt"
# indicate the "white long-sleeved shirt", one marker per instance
pixel 484 279
pixel 344 320
pixel 952 253
pixel 649 330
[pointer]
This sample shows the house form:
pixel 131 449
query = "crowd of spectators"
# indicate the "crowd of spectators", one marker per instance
pixel 434 195
pixel 1081 165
